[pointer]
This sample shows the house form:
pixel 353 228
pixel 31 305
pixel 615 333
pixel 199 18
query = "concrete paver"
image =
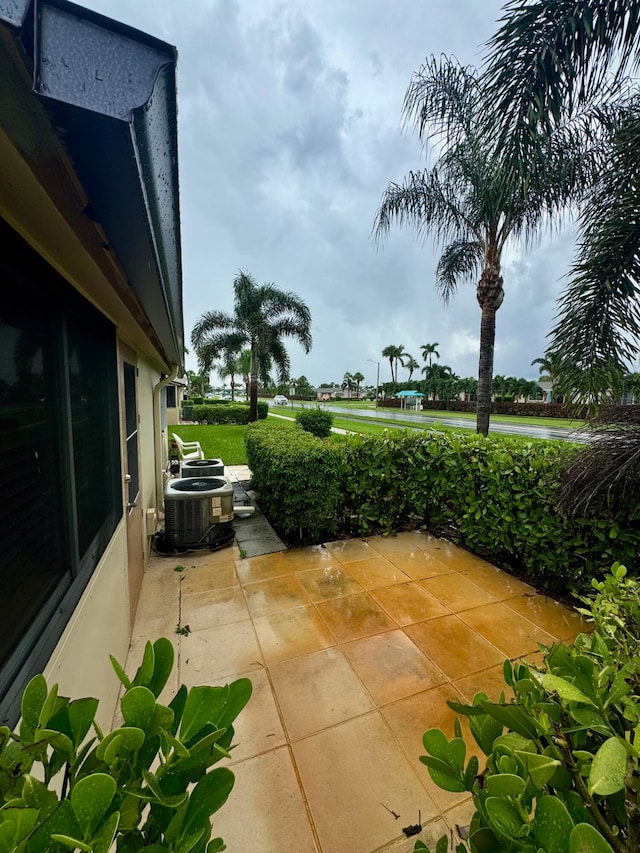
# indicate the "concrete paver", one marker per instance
pixel 353 649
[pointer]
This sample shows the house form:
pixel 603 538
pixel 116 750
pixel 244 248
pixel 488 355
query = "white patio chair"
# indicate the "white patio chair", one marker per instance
pixel 187 449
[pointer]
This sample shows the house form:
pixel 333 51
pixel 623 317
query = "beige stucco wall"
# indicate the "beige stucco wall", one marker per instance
pixel 173 416
pixel 148 378
pixel 99 627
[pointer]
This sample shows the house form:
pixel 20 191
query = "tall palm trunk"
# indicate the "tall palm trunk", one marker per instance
pixel 253 387
pixel 233 388
pixel 490 295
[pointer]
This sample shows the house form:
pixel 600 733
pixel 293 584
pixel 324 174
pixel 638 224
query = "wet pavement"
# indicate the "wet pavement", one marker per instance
pixel 353 648
pixel 408 419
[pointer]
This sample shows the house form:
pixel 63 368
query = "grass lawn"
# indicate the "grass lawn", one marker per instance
pixel 226 442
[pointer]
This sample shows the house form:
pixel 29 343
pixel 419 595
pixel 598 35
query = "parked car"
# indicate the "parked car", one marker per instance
pixel 280 400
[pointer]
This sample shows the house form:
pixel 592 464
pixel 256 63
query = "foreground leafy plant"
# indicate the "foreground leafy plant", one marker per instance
pixel 64 785
pixel 565 775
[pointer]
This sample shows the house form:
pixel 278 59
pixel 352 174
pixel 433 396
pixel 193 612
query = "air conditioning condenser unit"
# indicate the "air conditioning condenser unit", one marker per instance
pixel 198 512
pixel 202 468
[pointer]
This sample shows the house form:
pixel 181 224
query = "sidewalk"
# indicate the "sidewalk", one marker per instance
pixel 254 534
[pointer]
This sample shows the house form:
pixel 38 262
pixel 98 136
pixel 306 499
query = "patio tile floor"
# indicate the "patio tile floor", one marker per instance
pixel 353 649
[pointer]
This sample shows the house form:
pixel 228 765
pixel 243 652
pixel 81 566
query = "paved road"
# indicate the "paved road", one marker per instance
pixel 408 418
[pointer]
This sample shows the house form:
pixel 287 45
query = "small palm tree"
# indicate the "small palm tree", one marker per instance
pixel 469 201
pixel 348 383
pixel 411 364
pixel 358 379
pixel 428 351
pixel 263 315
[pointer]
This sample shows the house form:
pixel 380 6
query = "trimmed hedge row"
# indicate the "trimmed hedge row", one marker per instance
pixel 494 496
pixel 528 410
pixel 231 413
pixel 299 477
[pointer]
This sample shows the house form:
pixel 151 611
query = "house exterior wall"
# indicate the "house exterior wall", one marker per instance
pixel 43 202
pixel 99 627
pixel 148 378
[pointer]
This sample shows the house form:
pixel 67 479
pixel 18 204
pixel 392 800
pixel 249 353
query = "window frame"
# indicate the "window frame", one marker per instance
pixel 22 267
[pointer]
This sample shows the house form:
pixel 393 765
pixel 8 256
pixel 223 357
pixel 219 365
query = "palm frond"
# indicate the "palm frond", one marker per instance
pixel 460 260
pixel 210 322
pixel 424 202
pixel 605 475
pixel 550 58
pixel 442 100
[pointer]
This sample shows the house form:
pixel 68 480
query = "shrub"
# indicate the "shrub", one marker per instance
pixel 299 478
pixel 495 496
pixel 564 776
pixel 64 785
pixel 230 413
pixel 317 421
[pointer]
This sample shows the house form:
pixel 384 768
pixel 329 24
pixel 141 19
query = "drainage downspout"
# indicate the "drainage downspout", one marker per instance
pixel 157 432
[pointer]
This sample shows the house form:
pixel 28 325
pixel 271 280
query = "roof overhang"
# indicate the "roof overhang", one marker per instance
pixel 110 93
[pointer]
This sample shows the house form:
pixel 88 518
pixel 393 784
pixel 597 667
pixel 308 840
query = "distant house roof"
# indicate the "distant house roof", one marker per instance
pixel 110 93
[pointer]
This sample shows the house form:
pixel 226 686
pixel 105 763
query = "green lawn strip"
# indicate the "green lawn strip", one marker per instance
pixel 219 441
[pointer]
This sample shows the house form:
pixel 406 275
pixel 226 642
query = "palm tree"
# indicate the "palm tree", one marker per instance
pixel 560 68
pixel 550 369
pixel 469 202
pixel 263 315
pixel 394 354
pixel 348 383
pixel 358 379
pixel 411 364
pixel 428 351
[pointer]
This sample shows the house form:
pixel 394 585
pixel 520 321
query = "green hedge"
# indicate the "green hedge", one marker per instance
pixel 316 421
pixel 494 496
pixel 298 476
pixel 230 413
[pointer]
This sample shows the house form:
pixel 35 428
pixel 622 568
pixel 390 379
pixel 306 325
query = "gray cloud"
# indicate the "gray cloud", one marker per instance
pixel 289 121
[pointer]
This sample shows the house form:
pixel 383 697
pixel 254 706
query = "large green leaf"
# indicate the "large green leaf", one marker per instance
pixel 443 775
pixel 61 821
pixel 485 730
pixel 91 798
pixel 239 694
pixel 15 826
pixel 210 793
pixel 138 708
pixel 553 825
pixel 203 705
pixel 586 839
pixel 103 838
pixel 33 698
pixel 164 658
pixel 608 768
pixel 436 743
pixel 125 738
pixel 504 785
pixel 539 767
pixel 144 675
pixel 505 818
pixel 119 671
pixel 567 691
pixel 81 715
pixel 513 717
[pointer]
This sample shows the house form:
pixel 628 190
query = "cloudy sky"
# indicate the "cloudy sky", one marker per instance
pixel 289 133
